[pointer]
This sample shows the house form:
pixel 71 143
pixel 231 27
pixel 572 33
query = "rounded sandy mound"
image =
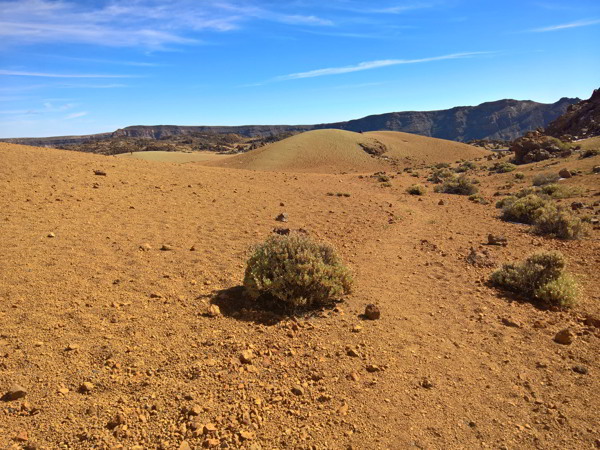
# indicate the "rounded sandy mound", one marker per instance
pixel 333 151
pixel 319 151
pixel 414 149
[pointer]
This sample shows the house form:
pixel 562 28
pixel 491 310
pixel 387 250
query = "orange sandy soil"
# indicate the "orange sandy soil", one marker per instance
pixel 89 306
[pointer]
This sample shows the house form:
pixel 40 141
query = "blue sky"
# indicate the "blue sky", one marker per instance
pixel 77 67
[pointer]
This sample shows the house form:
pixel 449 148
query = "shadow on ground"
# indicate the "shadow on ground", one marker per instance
pixel 266 310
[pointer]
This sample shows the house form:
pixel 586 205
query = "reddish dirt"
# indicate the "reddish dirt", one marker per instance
pixel 88 296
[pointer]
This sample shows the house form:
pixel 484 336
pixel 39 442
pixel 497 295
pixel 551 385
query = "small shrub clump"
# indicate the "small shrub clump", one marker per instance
pixel 522 210
pixel 478 198
pixel 465 167
pixel 558 222
pixel 545 178
pixel 559 191
pixel 519 175
pixel 296 272
pixel 416 189
pixel 502 167
pixel 440 175
pixel 540 278
pixel 459 186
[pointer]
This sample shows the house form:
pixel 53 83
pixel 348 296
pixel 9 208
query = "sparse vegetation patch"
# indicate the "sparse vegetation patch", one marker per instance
pixel 540 278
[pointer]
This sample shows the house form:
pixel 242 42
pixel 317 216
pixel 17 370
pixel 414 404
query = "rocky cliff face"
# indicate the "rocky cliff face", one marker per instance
pixel 501 120
pixel 581 120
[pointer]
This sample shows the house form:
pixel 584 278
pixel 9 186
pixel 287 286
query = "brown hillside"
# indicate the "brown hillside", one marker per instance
pixel 334 151
pixel 109 335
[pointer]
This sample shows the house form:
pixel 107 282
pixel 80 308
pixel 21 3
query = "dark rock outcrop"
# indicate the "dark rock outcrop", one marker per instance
pixel 581 120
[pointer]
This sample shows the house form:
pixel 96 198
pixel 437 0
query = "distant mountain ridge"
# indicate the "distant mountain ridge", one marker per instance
pixel 498 120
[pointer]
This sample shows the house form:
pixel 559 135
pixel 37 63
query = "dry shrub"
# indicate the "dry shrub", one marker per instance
pixel 297 272
pixel 545 178
pixel 416 189
pixel 558 222
pixel 560 191
pixel 522 210
pixel 458 186
pixel 502 167
pixel 541 277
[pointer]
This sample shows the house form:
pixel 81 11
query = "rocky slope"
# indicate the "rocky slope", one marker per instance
pixel 502 119
pixel 581 120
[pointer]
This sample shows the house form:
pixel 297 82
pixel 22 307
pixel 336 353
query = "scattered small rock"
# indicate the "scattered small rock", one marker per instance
pixel 209 443
pixel 441 203
pixel 246 435
pixel 372 368
pixel 281 231
pixel 564 337
pixel 214 311
pixel 156 295
pixel 352 352
pixel 372 312
pixel 565 173
pixel 480 259
pixel 577 205
pixel 297 390
pixel 72 347
pixel 118 420
pixel 51 235
pixel 497 240
pixel 580 369
pixel 596 169
pixel 510 323
pixel 283 217
pixel 145 247
pixel 101 173
pixel 14 393
pixel 86 387
pixel 184 446
pixel 166 248
pixel 427 383
pixel 246 357
pixel 22 436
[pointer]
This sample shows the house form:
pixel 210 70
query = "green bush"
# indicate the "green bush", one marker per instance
pixel 416 189
pixel 465 167
pixel 442 165
pixel 502 167
pixel 440 175
pixel 522 210
pixel 506 201
pixel 558 222
pixel 459 186
pixel 296 271
pixel 541 277
pixel 383 178
pixel 560 191
pixel 519 175
pixel 545 178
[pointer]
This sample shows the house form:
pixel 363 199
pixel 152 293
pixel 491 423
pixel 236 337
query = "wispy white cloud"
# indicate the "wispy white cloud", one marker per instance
pixel 369 65
pixel 76 115
pixel 565 26
pixel 18 73
pixel 141 23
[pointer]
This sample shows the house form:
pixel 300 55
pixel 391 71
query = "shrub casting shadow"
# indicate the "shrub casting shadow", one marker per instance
pixel 266 310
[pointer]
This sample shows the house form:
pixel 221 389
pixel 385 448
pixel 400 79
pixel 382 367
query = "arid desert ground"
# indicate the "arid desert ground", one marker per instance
pixel 106 283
